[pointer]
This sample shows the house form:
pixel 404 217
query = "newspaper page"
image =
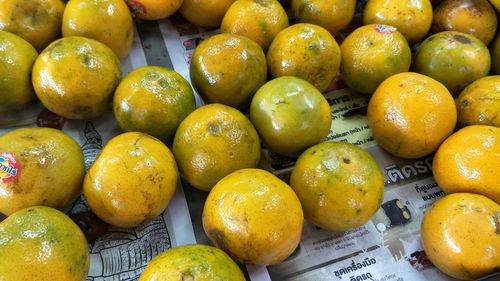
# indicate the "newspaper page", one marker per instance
pixel 386 248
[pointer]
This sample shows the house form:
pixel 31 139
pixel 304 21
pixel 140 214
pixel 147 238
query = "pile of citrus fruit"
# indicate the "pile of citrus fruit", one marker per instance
pixel 428 68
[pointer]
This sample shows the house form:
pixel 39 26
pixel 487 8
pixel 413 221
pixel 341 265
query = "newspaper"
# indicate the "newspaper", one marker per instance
pixel 388 247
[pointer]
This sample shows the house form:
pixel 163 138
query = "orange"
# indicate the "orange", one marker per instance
pixel 228 69
pixel 413 18
pixel 479 103
pixel 460 235
pixel 253 216
pixel 153 9
pixel 131 181
pixel 495 4
pixel 192 262
pixel 372 53
pixel 474 17
pixel 453 58
pixel 290 115
pixel 468 161
pixel 333 15
pixel 307 51
pixel 213 141
pixel 259 20
pixel 411 114
pixel 43 244
pixel 36 21
pixel 16 60
pixel 153 100
pixel 338 184
pixel 205 13
pixel 86 17
pixel 75 77
pixel 40 166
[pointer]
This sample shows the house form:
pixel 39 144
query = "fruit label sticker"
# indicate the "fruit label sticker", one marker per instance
pixel 382 28
pixel 9 167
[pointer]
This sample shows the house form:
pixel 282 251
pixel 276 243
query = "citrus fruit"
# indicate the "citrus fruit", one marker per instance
pixel 479 103
pixel 228 69
pixel 474 17
pixel 333 15
pixel 338 184
pixel 40 166
pixel 413 18
pixel 132 180
pixel 42 244
pixel 307 51
pixel 453 58
pixel 253 216
pixel 192 262
pixel 153 9
pixel 410 114
pixel 153 100
pixel 86 17
pixel 372 53
pixel 290 115
pixel 460 235
pixel 75 77
pixel 16 60
pixel 495 4
pixel 495 55
pixel 259 20
pixel 468 161
pixel 213 141
pixel 205 13
pixel 36 21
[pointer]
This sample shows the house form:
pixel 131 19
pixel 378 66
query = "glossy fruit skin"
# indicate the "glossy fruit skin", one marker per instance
pixel 411 114
pixel 479 103
pixel 153 100
pixel 75 77
pixel 196 261
pixel 333 15
pixel 372 53
pixel 205 13
pixel 412 18
pixel 228 69
pixel 467 161
pixel 36 21
pixel 16 60
pixel 290 115
pixel 42 243
pixel 259 20
pixel 153 9
pixel 107 21
pixel 213 141
pixel 50 172
pixel 339 185
pixel 254 217
pixel 460 235
pixel 453 58
pixel 474 17
pixel 132 180
pixel 307 51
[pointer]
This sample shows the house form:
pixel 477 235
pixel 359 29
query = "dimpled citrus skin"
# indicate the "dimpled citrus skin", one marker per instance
pixel 253 216
pixel 307 51
pixel 467 161
pixel 75 77
pixel 16 60
pixel 86 17
pixel 339 185
pixel 213 141
pixel 132 180
pixel 479 103
pixel 461 235
pixel 196 262
pixel 411 114
pixel 41 243
pixel 51 169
